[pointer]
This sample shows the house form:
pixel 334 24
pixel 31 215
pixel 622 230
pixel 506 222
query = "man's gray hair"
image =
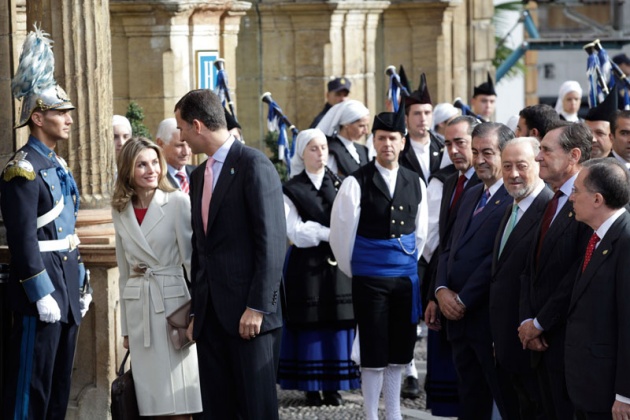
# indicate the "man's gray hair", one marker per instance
pixel 532 141
pixel 166 129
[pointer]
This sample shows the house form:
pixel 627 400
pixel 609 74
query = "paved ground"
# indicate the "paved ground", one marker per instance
pixel 293 403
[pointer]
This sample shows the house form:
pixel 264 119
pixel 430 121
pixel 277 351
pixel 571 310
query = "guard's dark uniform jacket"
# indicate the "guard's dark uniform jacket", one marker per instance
pixel 409 160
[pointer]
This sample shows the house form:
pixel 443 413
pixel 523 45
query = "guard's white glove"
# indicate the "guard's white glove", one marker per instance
pixel 48 309
pixel 84 303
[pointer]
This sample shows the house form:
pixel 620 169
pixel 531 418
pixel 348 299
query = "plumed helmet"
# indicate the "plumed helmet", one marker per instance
pixel 34 82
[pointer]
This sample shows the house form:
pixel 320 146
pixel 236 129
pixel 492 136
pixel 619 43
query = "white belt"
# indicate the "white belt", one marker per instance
pixel 69 243
pixel 46 218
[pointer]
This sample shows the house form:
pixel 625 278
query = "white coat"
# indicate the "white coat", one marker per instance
pixel 166 379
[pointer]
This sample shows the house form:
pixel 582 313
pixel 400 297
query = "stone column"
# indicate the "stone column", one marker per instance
pixel 80 31
pixel 155 45
pixel 294 47
pixel 481 43
pixel 419 35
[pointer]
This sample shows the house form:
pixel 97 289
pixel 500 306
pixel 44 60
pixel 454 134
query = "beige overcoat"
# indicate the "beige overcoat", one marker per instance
pixel 152 285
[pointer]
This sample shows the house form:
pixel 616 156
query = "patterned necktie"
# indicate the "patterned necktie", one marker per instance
pixel 550 211
pixel 458 190
pixel 208 178
pixel 482 202
pixel 590 248
pixel 183 181
pixel 509 227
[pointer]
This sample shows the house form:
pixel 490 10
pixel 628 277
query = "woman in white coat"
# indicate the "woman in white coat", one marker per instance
pixel 153 246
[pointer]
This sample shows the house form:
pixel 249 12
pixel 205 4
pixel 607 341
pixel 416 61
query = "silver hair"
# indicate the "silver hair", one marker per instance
pixel 166 129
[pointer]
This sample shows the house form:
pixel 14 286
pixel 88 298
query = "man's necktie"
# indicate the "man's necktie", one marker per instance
pixel 590 248
pixel 459 189
pixel 550 211
pixel 482 202
pixel 509 227
pixel 208 178
pixel 183 181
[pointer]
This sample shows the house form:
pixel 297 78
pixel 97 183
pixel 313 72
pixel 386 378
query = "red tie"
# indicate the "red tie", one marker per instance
pixel 458 190
pixel 183 181
pixel 550 211
pixel 590 248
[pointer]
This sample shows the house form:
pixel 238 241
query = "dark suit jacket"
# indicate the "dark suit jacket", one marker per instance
pixel 409 160
pixel 546 285
pixel 464 265
pixel 446 221
pixel 597 341
pixel 173 181
pixel 505 286
pixel 238 264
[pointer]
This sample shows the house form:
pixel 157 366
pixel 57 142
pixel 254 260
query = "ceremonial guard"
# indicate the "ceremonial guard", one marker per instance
pixel 48 290
pixel 377 231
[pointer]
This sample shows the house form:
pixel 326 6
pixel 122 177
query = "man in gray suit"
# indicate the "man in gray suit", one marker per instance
pixel 177 154
pixel 238 240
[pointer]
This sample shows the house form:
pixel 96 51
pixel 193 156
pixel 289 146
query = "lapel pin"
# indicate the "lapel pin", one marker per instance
pixel 605 252
pixel 497 202
pixel 231 171
pixel 435 153
pixel 570 214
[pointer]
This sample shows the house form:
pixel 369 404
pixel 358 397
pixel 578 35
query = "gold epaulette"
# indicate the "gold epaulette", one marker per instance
pixel 18 166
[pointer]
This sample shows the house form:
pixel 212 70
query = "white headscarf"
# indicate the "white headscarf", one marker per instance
pixel 343 113
pixel 442 112
pixel 302 140
pixel 565 88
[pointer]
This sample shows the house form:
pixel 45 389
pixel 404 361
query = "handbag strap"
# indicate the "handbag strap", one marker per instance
pixel 121 371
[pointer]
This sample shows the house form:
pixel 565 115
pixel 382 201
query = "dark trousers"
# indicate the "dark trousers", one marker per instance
pixel 382 309
pixel 40 369
pixel 237 377
pixel 553 390
pixel 520 394
pixel 477 378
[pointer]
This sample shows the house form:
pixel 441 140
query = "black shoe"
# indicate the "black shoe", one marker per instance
pixel 410 388
pixel 332 398
pixel 313 398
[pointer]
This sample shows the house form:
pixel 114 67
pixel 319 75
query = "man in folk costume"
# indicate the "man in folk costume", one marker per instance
pixel 48 290
pixel 598 119
pixel 484 100
pixel 378 230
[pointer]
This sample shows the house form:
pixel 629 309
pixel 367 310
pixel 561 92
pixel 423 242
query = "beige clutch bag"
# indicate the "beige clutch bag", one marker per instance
pixel 177 324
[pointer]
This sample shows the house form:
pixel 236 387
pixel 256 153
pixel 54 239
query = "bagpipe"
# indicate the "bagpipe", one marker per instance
pixel 466 110
pixel 278 122
pixel 398 86
pixel 603 74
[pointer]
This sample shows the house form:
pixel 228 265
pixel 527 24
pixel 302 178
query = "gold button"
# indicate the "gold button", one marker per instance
pixel 393 236
pixel 393 208
pixel 60 229
pixel 52 187
pixel 400 208
pixel 45 173
pixel 393 221
pixel 65 258
pixel 402 222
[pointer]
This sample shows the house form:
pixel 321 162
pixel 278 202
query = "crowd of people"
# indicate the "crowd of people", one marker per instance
pixel 509 242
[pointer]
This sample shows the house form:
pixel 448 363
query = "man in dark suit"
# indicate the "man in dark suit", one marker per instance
pixel 598 341
pixel 423 150
pixel 547 282
pixel 534 120
pixel 239 238
pixel 463 276
pixel 517 379
pixel 444 191
pixel 177 154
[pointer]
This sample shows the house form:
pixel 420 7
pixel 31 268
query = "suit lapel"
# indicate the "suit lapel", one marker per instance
pixel 412 159
pixel 563 219
pixel 155 213
pixel 228 172
pixel 492 205
pixel 196 190
pixel 434 157
pixel 378 180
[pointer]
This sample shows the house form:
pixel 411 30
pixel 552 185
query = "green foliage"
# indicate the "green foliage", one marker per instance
pixel 501 26
pixel 271 140
pixel 135 115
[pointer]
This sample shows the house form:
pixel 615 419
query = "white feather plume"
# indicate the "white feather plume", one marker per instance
pixel 36 70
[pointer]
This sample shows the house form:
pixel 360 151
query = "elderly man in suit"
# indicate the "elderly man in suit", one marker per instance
pixel 516 232
pixel 598 327
pixel 463 276
pixel 547 282
pixel 177 154
pixel 238 240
